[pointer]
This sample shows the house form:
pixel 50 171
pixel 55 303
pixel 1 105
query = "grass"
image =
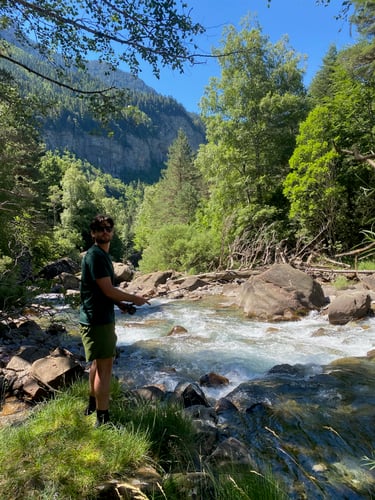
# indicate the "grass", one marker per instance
pixel 58 453
pixel 366 265
pixel 224 485
pixel 58 449
pixel 341 283
pixel 369 462
pixel 170 431
pixel 247 486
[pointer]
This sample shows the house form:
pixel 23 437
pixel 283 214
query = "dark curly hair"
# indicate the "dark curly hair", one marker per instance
pixel 98 220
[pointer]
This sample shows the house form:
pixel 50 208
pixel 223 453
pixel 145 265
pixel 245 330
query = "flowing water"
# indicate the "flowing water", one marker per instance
pixel 220 339
pixel 313 430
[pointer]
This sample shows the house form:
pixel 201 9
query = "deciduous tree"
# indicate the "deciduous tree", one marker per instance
pixel 330 186
pixel 160 32
pixel 251 114
pixel 165 229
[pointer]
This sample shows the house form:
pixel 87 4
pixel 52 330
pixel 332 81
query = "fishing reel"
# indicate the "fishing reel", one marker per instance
pixel 128 308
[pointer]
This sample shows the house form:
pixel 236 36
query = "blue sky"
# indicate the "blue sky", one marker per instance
pixel 311 30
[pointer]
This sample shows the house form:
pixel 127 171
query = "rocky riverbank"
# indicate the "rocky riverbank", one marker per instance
pixel 311 426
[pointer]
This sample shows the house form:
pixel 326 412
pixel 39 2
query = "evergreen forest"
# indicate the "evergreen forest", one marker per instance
pixel 285 173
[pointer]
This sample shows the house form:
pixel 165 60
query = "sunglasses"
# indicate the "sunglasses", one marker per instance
pixel 102 229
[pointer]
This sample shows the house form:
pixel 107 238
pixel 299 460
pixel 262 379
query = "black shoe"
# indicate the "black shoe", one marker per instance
pixel 91 407
pixel 102 418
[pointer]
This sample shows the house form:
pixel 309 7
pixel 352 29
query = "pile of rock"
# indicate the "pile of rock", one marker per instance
pixel 268 420
pixel 34 363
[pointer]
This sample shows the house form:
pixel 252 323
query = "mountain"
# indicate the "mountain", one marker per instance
pixel 128 149
pixel 131 150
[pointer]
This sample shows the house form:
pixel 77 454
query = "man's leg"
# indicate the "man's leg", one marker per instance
pixel 102 385
pixel 91 407
pixel 92 374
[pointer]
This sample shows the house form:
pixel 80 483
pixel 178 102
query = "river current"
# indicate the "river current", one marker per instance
pixel 220 339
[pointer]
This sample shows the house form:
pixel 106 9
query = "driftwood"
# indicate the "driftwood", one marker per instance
pixel 358 251
pixel 322 272
pixel 339 271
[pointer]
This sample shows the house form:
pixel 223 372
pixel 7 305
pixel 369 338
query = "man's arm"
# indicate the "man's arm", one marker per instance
pixel 118 295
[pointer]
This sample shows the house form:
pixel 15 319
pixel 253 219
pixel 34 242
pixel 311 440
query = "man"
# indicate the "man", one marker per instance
pixel 97 315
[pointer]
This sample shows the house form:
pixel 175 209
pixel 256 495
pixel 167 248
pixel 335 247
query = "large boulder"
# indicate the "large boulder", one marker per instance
pixel 280 293
pixel 68 281
pixel 53 269
pixel 56 370
pixel 123 272
pixel 349 307
pixel 147 284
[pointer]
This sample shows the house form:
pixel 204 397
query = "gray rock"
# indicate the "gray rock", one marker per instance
pixel 123 272
pixel 280 293
pixel 349 307
pixel 64 265
pixel 52 371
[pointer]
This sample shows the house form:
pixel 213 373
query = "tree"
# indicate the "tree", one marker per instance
pixel 321 85
pixel 20 150
pixel 330 185
pixel 180 184
pixel 166 230
pixel 317 200
pixel 21 224
pixel 182 247
pixel 175 197
pixel 159 32
pixel 251 115
pixel 78 209
pixel 77 192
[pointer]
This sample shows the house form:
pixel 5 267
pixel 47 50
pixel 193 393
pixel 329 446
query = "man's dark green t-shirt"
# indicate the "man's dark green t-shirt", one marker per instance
pixel 96 308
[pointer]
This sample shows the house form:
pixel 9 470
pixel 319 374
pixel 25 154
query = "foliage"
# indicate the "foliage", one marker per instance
pixel 19 152
pixel 59 452
pixel 317 200
pixel 158 32
pixel 366 265
pixel 251 115
pixel 329 185
pixel 363 18
pixel 341 283
pixel 321 85
pixel 220 485
pixel 11 291
pixel 185 248
pixel 165 229
pixel 170 432
pixel 20 197
pixel 245 485
pixel 179 188
pixel 174 198
pixel 76 193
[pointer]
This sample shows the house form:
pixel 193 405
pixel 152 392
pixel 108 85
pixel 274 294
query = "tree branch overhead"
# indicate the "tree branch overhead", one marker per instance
pixel 155 32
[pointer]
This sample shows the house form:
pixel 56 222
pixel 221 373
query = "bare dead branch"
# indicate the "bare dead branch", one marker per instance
pixel 310 243
pixel 358 251
pixel 52 80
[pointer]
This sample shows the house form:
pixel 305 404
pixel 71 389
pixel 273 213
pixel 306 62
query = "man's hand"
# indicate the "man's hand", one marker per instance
pixel 125 307
pixel 139 301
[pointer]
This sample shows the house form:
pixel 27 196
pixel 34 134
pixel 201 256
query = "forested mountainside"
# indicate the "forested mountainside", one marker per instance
pixel 132 146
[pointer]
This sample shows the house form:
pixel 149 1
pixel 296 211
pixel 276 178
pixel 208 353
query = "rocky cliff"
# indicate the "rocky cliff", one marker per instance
pixel 127 149
pixel 132 151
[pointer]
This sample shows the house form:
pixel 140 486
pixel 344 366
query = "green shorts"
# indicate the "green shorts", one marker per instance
pixel 99 341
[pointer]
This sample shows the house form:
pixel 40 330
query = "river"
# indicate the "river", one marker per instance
pixel 220 339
